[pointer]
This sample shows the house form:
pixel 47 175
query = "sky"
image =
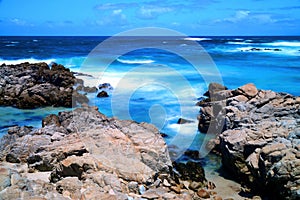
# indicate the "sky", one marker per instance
pixel 109 17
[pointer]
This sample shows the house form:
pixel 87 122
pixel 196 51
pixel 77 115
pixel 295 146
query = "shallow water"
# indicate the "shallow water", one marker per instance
pixel 158 80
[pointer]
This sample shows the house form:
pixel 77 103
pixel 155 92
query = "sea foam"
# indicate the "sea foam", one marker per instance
pixel 197 39
pixel 285 44
pixel 30 60
pixel 135 61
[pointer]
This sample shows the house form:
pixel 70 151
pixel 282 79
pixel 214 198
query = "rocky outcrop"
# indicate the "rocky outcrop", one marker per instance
pixel 105 90
pixel 260 137
pixel 34 85
pixel 85 155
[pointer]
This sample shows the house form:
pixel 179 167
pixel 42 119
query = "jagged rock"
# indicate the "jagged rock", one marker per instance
pixel 105 86
pixel 51 119
pixel 190 171
pixel 35 85
pixel 90 89
pixel 69 187
pixel 82 154
pixel 102 94
pixel 248 90
pixel 183 121
pixel 213 88
pixel 258 143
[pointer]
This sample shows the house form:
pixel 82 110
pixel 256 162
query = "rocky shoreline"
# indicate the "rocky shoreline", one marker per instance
pixel 28 86
pixel 260 137
pixel 82 154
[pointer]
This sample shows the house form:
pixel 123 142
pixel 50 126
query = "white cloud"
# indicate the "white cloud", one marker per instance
pixel 116 17
pixel 18 21
pixel 151 12
pixel 245 15
pixel 117 12
pixel 239 15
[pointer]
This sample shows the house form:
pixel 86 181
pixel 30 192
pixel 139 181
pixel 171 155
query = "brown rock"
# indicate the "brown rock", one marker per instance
pixel 102 94
pixel 51 119
pixel 217 198
pixel 214 87
pixel 176 189
pixel 203 194
pixel 150 194
pixel 249 90
pixel 69 187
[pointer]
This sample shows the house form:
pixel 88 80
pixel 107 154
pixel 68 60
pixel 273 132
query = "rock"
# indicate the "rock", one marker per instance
pixel 258 141
pixel 195 185
pixel 211 185
pixel 90 89
pixel 69 187
pixel 50 119
pixel 248 90
pixel 217 198
pixel 87 156
pixel 190 171
pixel 133 187
pixel 176 189
pixel 150 194
pixel 166 183
pixel 78 98
pixel 12 158
pixel 36 85
pixel 102 94
pixel 214 87
pixel 183 121
pixel 203 193
pixel 105 86
pixel 4 178
pixel 193 154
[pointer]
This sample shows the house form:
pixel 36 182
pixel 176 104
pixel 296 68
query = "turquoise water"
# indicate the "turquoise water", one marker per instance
pixel 158 80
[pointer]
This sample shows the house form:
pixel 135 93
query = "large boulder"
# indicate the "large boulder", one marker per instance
pixel 82 154
pixel 260 139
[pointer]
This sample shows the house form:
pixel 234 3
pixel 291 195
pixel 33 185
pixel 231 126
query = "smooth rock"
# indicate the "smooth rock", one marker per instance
pixel 203 193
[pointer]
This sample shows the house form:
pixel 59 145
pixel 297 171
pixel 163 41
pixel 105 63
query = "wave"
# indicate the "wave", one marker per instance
pixel 287 52
pixel 30 60
pixel 10 45
pixel 273 44
pixel 197 39
pixel 239 43
pixel 135 61
pixel 284 44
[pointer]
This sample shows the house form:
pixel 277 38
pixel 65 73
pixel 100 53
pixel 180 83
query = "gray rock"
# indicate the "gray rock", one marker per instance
pixel 259 142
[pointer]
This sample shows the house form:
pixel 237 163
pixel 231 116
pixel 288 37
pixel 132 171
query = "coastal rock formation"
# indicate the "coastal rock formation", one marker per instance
pixel 34 85
pixel 260 138
pixel 82 154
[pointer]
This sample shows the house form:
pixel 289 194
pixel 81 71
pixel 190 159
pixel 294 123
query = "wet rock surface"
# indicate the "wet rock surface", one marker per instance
pixel 36 85
pixel 259 138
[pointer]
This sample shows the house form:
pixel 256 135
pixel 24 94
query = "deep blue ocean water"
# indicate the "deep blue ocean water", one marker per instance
pixel 158 83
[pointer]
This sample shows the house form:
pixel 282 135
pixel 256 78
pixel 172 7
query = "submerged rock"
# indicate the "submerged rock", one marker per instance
pixel 259 143
pixel 102 94
pixel 184 121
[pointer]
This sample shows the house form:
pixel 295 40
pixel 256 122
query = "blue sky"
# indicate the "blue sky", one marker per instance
pixel 191 17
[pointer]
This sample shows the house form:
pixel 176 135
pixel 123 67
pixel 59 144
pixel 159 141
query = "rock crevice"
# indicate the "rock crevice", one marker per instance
pixel 259 142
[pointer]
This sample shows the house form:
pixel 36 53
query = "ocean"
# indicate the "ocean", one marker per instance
pixel 160 79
